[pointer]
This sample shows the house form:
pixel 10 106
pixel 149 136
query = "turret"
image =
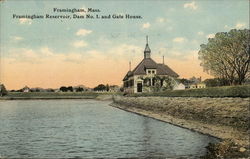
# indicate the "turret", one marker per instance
pixel 147 50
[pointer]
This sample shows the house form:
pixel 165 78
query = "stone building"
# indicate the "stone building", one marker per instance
pixel 149 76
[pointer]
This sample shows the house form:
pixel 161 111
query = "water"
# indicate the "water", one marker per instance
pixel 89 129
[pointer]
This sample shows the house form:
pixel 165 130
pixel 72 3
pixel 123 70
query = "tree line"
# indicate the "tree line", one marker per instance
pixel 71 89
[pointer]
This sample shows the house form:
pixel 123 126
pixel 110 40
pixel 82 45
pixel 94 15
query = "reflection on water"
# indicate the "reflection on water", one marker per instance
pixel 88 128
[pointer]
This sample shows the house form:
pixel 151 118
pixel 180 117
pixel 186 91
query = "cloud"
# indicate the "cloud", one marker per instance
pixel 191 5
pixel 79 44
pixel 125 51
pixel 227 27
pixel 46 55
pixel 83 32
pixel 210 36
pixel 169 28
pixel 161 20
pixel 146 25
pixel 23 54
pixel 240 25
pixel 42 55
pixel 179 39
pixel 25 21
pixel 175 53
pixel 16 38
pixel 104 41
pixel 200 33
pixel 172 9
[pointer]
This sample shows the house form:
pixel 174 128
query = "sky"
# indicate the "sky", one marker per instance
pixel 50 53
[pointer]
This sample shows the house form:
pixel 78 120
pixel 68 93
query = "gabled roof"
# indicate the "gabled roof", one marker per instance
pixel 26 87
pixel 148 63
pixel 165 70
pixel 127 75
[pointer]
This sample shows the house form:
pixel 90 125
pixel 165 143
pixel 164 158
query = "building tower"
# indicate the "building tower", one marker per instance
pixel 147 50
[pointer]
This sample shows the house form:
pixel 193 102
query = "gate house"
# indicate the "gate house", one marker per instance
pixel 146 73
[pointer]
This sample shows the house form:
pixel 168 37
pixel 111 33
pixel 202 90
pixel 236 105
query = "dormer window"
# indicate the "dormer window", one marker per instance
pixel 151 71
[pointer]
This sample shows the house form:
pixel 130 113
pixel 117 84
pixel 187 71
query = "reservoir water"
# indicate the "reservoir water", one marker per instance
pixel 89 129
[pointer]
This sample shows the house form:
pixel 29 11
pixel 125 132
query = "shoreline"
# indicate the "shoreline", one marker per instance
pixel 233 143
pixel 159 117
pixel 218 132
pixel 47 96
pixel 44 98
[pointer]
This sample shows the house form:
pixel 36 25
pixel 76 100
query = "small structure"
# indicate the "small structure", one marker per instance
pixel 179 86
pixel 26 89
pixel 198 85
pixel 79 88
pixel 149 76
pixel 114 88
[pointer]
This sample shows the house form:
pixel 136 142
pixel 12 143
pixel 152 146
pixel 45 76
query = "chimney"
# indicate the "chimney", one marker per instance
pixel 163 59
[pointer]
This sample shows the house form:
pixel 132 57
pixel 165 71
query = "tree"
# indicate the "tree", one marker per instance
pixel 227 56
pixel 70 88
pixel 100 87
pixel 169 83
pixel 3 90
pixel 185 81
pixel 63 89
pixel 79 89
pixel 214 82
pixel 107 87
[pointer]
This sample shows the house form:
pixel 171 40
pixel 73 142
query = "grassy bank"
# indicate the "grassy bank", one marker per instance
pixel 226 91
pixel 55 95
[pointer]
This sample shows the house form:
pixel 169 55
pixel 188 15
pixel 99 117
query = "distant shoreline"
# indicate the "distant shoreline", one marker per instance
pixel 57 95
pixel 45 98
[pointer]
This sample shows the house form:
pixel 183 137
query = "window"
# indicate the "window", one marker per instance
pixel 131 83
pixel 153 72
pixel 149 71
